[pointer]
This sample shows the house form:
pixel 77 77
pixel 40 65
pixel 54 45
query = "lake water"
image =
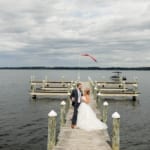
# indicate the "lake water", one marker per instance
pixel 23 121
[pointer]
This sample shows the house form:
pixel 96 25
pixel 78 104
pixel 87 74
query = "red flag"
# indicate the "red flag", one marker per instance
pixel 89 56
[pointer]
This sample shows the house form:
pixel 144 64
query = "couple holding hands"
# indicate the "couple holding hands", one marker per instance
pixel 83 116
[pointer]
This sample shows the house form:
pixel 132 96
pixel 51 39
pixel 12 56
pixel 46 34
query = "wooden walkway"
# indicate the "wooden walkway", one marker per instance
pixel 49 88
pixel 77 139
pixel 116 89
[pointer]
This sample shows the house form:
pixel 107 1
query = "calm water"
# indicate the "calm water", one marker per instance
pixel 23 122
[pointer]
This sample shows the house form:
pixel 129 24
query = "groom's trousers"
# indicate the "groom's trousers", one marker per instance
pixel 75 114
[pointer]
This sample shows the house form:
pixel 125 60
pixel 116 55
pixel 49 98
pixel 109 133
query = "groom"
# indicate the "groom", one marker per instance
pixel 76 100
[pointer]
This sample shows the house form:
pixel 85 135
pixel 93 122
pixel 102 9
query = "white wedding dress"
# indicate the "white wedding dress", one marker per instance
pixel 87 119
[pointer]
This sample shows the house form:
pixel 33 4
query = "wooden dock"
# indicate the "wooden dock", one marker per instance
pixel 115 83
pixel 37 82
pixel 50 88
pixel 121 94
pixel 77 139
pixel 116 89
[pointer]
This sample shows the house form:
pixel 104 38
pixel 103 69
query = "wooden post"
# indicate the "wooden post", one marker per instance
pixel 105 111
pixel 31 86
pixel 124 85
pixel 69 86
pixel 62 113
pixel 116 131
pixel 99 104
pixel 43 85
pixel 46 79
pixel 98 86
pixel 74 85
pixel 33 90
pixel 68 102
pixel 51 130
pixel 95 92
pixel 135 87
pixel 99 100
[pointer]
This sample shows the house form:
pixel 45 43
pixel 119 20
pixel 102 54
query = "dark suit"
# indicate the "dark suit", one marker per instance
pixel 75 104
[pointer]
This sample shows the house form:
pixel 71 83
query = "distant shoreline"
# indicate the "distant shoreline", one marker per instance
pixel 75 68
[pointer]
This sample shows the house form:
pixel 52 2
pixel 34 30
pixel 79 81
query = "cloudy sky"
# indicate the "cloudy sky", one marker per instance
pixel 57 32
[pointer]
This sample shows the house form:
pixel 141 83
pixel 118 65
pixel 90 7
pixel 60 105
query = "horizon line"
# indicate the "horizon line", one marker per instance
pixel 75 67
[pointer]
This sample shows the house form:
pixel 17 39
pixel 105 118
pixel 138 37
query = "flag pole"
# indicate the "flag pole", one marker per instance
pixel 78 75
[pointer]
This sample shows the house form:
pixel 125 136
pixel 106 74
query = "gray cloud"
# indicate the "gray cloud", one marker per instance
pixel 47 32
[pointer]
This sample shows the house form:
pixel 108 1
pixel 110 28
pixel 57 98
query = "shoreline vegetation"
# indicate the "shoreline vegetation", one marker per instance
pixel 75 68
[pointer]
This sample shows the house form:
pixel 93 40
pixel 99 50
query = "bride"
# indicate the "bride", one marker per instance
pixel 87 119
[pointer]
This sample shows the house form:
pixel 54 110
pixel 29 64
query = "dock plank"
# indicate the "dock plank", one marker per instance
pixel 77 139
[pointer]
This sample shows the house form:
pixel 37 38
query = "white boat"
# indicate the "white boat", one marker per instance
pixel 118 77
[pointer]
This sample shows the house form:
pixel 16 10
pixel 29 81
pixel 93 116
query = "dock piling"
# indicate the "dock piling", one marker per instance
pixel 62 113
pixel 99 104
pixel 98 99
pixel 105 111
pixel 68 102
pixel 95 92
pixel 116 131
pixel 51 130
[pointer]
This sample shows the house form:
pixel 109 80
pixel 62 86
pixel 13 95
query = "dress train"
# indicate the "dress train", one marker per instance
pixel 87 119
